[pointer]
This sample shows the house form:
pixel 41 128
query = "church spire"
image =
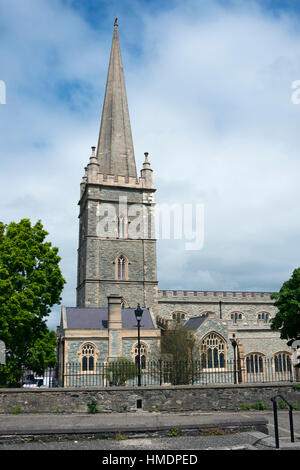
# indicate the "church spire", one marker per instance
pixel 115 151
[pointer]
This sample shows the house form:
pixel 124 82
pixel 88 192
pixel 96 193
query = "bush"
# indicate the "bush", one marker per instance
pixel 92 407
pixel 121 370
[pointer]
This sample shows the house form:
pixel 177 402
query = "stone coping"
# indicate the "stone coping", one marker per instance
pixel 149 387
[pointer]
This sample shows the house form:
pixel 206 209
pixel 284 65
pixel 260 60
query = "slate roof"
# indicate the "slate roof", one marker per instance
pixel 97 318
pixel 195 322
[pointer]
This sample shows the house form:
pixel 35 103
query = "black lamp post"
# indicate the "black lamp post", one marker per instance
pixel 234 345
pixel 138 315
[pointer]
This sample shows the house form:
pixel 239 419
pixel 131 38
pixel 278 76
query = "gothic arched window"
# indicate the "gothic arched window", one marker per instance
pixel 88 357
pixel 255 363
pixel 213 351
pixel 282 362
pixel 121 268
pixel 144 352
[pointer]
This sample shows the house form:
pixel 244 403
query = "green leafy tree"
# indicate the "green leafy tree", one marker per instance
pixel 287 300
pixel 30 284
pixel 180 351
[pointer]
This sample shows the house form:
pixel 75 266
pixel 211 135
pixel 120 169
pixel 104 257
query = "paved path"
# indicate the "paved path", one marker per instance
pixel 144 430
pixel 139 422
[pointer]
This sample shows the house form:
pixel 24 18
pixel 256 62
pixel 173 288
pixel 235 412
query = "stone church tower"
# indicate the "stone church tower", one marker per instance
pixel 117 246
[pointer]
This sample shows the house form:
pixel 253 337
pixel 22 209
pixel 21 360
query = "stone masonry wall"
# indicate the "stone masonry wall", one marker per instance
pixel 97 253
pixel 120 399
pixel 254 335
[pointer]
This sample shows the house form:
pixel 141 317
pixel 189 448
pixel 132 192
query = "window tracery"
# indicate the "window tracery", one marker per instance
pixel 213 351
pixel 121 268
pixel 255 363
pixel 88 355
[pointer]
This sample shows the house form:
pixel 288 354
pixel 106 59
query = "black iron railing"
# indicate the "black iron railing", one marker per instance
pixel 274 401
pixel 158 372
pixel 161 372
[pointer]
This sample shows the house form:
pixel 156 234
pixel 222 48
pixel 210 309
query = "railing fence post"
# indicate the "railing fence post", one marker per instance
pixel 291 423
pixel 275 422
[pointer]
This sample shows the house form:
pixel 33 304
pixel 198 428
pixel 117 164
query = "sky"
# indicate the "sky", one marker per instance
pixel 209 87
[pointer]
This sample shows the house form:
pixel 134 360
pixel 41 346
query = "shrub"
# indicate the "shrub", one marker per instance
pixel 92 406
pixel 121 370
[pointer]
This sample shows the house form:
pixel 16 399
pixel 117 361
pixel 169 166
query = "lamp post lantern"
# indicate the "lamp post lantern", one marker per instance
pixel 138 315
pixel 234 345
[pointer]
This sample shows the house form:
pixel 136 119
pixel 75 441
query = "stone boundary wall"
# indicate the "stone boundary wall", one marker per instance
pixel 124 399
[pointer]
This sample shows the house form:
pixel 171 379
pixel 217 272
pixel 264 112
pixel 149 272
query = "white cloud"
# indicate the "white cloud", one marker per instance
pixel 210 100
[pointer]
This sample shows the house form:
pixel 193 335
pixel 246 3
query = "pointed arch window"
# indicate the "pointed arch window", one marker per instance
pixel 282 362
pixel 144 352
pixel 255 363
pixel 121 268
pixel 213 351
pixel 88 354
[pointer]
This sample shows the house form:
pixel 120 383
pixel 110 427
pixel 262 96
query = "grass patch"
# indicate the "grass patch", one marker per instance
pixel 256 406
pixel 259 406
pixel 245 407
pixel 120 437
pixel 214 432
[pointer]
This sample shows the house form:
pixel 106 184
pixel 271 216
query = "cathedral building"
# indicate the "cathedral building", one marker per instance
pixel 117 268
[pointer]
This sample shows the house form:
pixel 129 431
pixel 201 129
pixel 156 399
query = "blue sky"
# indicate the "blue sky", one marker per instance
pixel 209 91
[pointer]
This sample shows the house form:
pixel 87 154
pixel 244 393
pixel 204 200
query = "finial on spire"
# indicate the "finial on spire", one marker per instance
pixel 116 22
pixel 93 158
pixel 146 172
